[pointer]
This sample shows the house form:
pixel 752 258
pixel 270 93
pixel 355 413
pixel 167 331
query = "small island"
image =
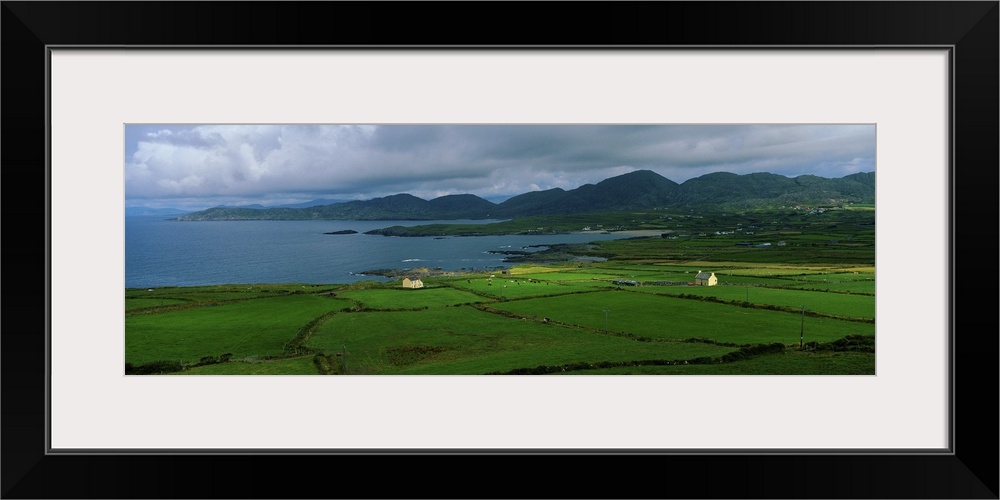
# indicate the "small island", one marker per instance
pixel 344 231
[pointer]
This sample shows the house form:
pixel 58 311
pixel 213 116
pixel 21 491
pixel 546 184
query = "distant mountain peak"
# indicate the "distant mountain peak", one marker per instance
pixel 637 190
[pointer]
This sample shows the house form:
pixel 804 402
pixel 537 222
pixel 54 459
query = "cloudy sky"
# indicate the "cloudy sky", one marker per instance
pixel 200 166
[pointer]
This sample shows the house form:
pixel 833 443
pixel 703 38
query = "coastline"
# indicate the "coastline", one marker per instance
pixel 630 232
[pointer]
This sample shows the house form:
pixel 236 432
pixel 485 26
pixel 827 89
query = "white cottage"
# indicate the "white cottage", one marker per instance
pixel 706 279
pixel 412 282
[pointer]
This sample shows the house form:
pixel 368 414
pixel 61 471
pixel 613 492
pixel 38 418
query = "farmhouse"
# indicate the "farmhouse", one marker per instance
pixel 706 279
pixel 412 282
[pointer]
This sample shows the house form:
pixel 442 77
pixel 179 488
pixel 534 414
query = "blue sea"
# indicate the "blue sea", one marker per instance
pixel 160 252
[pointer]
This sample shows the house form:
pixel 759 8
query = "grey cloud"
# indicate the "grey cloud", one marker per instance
pixel 254 162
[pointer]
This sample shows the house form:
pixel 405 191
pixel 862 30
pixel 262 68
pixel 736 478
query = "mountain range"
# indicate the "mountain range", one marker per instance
pixel 638 190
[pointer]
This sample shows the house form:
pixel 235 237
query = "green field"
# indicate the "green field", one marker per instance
pixel 463 340
pixel 301 365
pixel 854 306
pixel 665 317
pixel 790 362
pixel 400 298
pixel 464 326
pixel 251 328
pixel 634 313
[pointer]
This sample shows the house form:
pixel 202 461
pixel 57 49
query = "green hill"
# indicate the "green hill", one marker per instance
pixel 639 190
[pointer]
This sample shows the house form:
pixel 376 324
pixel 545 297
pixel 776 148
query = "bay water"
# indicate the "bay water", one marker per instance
pixel 161 252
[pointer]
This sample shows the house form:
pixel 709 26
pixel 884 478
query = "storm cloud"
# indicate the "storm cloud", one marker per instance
pixel 197 166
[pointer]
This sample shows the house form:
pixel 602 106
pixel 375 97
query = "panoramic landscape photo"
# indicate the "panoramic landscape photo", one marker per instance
pixel 499 249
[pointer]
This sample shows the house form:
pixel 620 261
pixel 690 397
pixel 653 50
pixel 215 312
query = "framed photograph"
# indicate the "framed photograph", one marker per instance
pixel 127 106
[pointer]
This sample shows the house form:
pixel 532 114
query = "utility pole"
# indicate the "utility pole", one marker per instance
pixel 605 320
pixel 802 328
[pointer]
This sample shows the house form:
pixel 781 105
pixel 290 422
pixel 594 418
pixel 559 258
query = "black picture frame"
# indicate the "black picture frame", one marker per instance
pixel 969 28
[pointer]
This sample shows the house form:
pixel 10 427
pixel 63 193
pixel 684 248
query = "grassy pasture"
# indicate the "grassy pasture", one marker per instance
pixel 663 272
pixel 132 304
pixel 435 331
pixel 718 248
pixel 463 340
pixel 403 298
pixel 215 293
pixel 736 279
pixel 835 304
pixel 519 287
pixel 859 287
pixel 665 317
pixel 251 328
pixel 774 271
pixel 574 275
pixel 302 365
pixel 599 274
pixel 532 269
pixel 439 335
pixel 840 277
pixel 784 364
